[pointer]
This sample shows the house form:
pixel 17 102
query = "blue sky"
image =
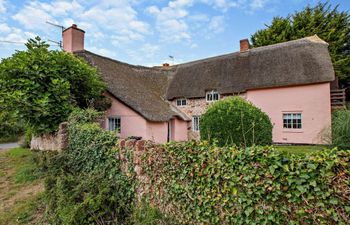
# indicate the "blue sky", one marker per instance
pixel 146 32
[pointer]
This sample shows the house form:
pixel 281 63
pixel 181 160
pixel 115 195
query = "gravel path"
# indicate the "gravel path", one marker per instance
pixel 8 145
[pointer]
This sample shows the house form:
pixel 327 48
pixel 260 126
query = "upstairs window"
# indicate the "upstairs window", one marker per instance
pixel 292 120
pixel 114 124
pixel 212 96
pixel 195 123
pixel 181 102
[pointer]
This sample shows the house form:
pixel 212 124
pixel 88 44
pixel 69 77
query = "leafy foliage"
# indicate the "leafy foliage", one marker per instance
pixel 85 183
pixel 235 121
pixel 146 214
pixel 43 86
pixel 341 129
pixel 325 21
pixel 10 127
pixel 199 183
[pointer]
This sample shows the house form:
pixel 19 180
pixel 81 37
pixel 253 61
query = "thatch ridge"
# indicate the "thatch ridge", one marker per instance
pixel 148 89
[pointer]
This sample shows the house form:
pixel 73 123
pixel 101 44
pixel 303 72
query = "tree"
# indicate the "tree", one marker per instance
pixel 43 86
pixel 325 21
pixel 233 120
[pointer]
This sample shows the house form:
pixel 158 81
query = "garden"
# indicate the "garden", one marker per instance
pixel 207 182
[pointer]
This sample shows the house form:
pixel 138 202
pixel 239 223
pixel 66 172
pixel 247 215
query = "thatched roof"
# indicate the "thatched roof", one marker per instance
pixel 141 88
pixel 146 90
pixel 299 62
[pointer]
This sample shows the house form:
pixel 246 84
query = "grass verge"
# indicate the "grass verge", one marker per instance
pixel 21 188
pixel 300 149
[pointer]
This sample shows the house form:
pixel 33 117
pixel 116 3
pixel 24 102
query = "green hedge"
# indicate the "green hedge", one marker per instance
pixel 199 183
pixel 233 120
pixel 341 129
pixel 85 183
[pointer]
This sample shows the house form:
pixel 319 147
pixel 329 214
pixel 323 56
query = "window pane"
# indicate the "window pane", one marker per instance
pixel 292 120
pixel 178 102
pixel 195 123
pixel 184 102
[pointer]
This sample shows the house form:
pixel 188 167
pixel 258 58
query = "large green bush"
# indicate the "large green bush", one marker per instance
pixel 341 129
pixel 43 86
pixel 85 183
pixel 199 183
pixel 235 121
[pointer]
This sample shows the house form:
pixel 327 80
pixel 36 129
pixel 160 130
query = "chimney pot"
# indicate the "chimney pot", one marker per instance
pixel 165 64
pixel 244 45
pixel 73 39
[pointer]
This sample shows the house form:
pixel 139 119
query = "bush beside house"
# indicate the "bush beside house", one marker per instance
pixel 42 86
pixel 233 120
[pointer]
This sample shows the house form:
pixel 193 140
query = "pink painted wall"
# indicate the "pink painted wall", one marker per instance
pixel 313 101
pixel 133 124
pixel 157 131
pixel 179 130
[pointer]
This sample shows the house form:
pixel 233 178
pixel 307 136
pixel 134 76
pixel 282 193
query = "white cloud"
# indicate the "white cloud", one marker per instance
pixel 249 5
pixel 223 5
pixel 35 14
pixel 2 6
pixel 171 20
pixel 258 4
pixel 17 35
pixel 216 24
pixel 150 50
pixel 4 28
pixel 102 51
pixel 117 18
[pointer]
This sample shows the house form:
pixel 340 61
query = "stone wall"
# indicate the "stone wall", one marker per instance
pixel 52 142
pixel 197 107
pixel 130 154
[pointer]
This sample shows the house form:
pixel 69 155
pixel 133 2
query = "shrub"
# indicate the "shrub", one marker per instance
pixel 236 121
pixel 43 86
pixel 10 127
pixel 85 183
pixel 199 183
pixel 341 129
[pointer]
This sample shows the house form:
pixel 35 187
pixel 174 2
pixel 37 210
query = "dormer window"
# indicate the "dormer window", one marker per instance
pixel 212 96
pixel 181 102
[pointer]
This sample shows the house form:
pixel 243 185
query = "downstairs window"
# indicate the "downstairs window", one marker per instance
pixel 114 124
pixel 292 120
pixel 195 123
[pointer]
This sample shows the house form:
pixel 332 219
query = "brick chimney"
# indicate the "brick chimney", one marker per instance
pixel 244 45
pixel 166 65
pixel 73 39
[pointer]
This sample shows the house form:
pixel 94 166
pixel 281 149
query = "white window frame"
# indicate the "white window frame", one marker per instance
pixel 195 123
pixel 292 120
pixel 209 96
pixel 182 102
pixel 117 126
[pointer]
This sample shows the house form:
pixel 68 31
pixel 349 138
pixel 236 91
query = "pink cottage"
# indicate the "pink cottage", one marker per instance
pixel 289 81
